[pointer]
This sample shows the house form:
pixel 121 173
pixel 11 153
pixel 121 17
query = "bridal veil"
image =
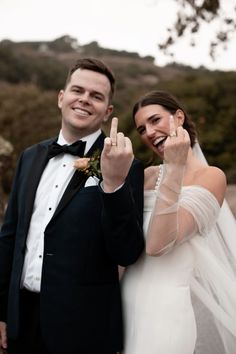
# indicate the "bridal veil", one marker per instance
pixel 214 285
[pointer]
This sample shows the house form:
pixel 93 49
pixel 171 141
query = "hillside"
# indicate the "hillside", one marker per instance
pixel 31 73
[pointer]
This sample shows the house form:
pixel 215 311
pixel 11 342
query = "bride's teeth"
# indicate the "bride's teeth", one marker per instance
pixel 158 140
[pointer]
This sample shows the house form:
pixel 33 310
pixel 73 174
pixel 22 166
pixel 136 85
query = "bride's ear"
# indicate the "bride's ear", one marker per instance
pixel 180 117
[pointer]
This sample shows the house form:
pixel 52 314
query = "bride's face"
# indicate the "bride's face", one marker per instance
pixel 153 125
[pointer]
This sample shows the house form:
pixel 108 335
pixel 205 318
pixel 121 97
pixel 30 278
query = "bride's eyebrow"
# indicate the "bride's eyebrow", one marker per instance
pixel 156 115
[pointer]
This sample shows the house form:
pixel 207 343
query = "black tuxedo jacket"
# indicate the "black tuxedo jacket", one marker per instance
pixel 90 233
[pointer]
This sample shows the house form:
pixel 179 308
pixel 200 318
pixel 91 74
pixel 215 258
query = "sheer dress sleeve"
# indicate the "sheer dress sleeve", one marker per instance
pixel 179 217
pixel 202 205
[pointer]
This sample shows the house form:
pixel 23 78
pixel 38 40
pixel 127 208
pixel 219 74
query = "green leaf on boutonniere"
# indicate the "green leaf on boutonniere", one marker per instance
pixel 90 166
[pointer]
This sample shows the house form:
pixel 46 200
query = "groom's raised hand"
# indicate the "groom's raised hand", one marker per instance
pixel 116 158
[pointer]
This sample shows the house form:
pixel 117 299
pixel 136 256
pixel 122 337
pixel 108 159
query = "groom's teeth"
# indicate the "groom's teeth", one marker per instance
pixel 81 112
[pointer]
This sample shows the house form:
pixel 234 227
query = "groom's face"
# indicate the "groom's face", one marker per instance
pixel 84 103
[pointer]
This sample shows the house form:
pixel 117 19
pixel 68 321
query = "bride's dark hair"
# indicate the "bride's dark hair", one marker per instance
pixel 171 104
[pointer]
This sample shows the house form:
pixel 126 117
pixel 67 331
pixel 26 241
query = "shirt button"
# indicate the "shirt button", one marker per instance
pixel 40 256
pixel 37 278
pixel 49 208
pixel 56 186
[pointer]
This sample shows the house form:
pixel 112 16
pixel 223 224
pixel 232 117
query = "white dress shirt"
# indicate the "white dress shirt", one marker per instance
pixel 52 185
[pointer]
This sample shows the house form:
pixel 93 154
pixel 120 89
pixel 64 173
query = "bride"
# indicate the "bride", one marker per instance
pixel 180 296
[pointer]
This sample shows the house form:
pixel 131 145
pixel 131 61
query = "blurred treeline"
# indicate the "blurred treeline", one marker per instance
pixel 32 73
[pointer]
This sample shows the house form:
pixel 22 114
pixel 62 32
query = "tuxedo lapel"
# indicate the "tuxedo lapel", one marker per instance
pixel 98 145
pixel 78 179
pixel 37 168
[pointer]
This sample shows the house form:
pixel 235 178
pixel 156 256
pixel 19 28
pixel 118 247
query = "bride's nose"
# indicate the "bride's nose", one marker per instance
pixel 150 131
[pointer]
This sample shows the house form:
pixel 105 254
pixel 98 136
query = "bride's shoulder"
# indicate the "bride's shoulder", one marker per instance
pixel 212 174
pixel 213 179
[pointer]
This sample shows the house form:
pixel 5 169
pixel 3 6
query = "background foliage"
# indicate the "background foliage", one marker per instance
pixel 32 73
pixel 192 15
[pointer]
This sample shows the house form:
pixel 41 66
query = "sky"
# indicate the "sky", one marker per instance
pixel 131 25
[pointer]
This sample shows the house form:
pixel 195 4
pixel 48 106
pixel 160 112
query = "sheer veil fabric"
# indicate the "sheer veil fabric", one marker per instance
pixel 214 284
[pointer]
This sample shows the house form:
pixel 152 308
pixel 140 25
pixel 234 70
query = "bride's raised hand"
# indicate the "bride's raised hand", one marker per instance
pixel 177 144
pixel 116 158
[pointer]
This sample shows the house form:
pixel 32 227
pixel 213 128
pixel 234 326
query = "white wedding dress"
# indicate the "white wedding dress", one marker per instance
pixel 158 312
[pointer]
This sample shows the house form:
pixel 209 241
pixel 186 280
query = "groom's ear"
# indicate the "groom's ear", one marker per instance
pixel 108 113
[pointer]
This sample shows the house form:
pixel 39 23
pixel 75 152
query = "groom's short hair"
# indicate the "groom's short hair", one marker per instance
pixel 94 65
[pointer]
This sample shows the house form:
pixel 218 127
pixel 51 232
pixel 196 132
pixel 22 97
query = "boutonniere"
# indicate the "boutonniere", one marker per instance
pixel 90 166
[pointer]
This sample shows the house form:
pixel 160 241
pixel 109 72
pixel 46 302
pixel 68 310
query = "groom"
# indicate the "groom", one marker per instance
pixel 65 234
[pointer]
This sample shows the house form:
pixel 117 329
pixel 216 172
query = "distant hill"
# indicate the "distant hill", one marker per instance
pixel 31 73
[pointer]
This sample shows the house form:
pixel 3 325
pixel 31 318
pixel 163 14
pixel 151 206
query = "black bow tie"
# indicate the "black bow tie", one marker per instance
pixel 76 149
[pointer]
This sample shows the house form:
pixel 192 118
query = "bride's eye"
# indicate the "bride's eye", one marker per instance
pixel 155 120
pixel 141 130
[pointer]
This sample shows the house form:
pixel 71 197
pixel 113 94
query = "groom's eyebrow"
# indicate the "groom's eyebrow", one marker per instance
pixel 91 92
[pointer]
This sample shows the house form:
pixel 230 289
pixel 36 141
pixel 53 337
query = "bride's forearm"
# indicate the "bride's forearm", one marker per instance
pixel 163 225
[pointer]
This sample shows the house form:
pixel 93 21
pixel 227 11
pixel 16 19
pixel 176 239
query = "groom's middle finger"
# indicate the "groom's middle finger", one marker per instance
pixel 113 131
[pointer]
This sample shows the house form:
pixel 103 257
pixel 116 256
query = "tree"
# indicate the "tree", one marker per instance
pixel 6 151
pixel 192 15
pixel 65 44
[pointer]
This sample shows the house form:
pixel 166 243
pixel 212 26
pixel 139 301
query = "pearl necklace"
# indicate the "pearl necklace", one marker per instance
pixel 159 176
